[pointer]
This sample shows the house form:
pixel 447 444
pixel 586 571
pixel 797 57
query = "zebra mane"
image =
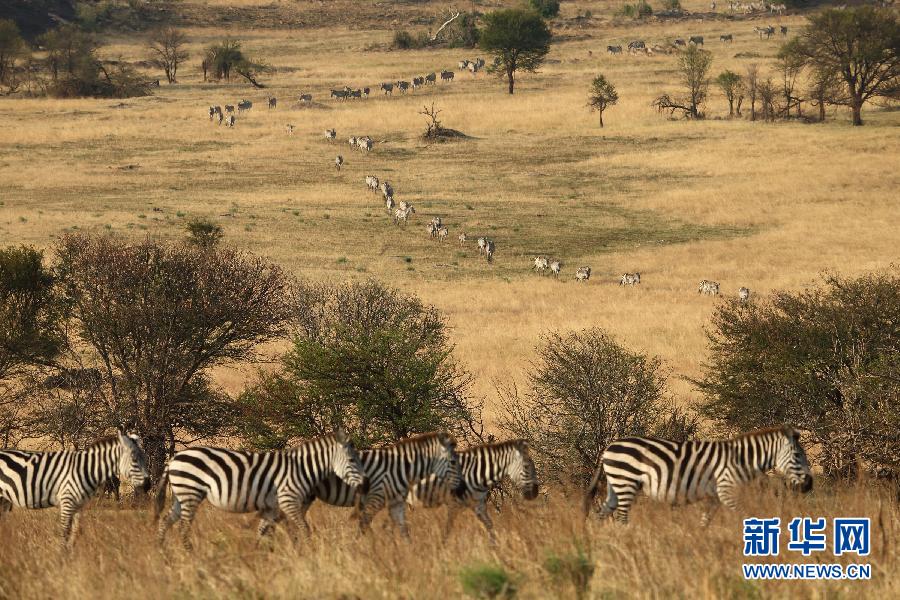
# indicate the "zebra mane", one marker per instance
pixel 786 430
pixel 519 444
pixel 423 439
pixel 104 442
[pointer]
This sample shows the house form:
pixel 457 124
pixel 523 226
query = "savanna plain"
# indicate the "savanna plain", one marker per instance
pixel 769 206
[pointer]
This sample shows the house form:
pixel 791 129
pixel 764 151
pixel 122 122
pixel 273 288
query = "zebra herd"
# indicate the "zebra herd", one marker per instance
pixel 749 7
pixel 641 47
pixel 226 116
pixel 387 87
pixel 425 470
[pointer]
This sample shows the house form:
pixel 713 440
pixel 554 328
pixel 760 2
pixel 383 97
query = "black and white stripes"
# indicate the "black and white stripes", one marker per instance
pixel 682 472
pixel 67 479
pixel 270 483
pixel 482 468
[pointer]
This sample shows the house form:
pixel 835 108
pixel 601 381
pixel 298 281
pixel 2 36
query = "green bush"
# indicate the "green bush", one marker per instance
pixel 576 568
pixel 487 581
pixel 546 8
pixel 640 10
pixel 204 233
pixel 672 5
pixel 824 360
pixel 404 40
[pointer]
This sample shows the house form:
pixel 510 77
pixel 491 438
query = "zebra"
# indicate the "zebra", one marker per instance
pixel 778 8
pixel 355 94
pixel 365 92
pixel 447 76
pixel 680 42
pixel 479 63
pixel 614 49
pixel 630 279
pixel 372 183
pixel 403 86
pixel 229 109
pixel 270 483
pixel 69 478
pixel 482 469
pixel 305 97
pixel 462 238
pixel 387 190
pixel 365 143
pixel 339 94
pixel 352 141
pixel 289 129
pixel 229 122
pixel 473 68
pixel 555 267
pixel 462 65
pixel 213 111
pixel 403 205
pixel 489 250
pixel 765 31
pixel 244 105
pixel 636 46
pixel 330 135
pixel 729 38
pixel 338 162
pixel 418 82
pixel 696 40
pixel 432 230
pixel 541 264
pixel 582 274
pixel 709 288
pixel 443 233
pixel 744 295
pixel 784 29
pixel 431 78
pixel 482 243
pixel 390 472
pixel 221 116
pixel 684 472
pixel 402 214
pixel 436 221
pixel 389 203
pixel 273 102
pixel 387 88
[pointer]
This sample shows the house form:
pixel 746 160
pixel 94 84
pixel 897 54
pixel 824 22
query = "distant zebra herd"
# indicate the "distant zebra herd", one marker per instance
pixel 641 47
pixel 425 470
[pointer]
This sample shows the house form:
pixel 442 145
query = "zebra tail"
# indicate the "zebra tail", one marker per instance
pixel 597 481
pixel 161 495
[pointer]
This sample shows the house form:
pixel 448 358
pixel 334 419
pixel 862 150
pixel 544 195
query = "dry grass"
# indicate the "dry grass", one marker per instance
pixel 761 205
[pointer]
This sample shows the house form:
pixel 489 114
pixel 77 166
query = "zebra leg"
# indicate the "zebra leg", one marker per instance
pixel 623 499
pixel 725 493
pixel 398 514
pixel 710 510
pixel 67 510
pixel 166 522
pixel 453 510
pixel 293 510
pixel 367 512
pixel 188 512
pixel 5 506
pixel 481 512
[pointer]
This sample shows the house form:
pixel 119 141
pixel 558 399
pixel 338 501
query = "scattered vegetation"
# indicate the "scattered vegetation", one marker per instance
pixel 487 582
pixel 574 568
pixel 639 10
pixel 585 391
pixel 546 8
pixel 732 86
pixel 222 60
pixel 12 50
pixel 167 49
pixel 404 40
pixel 519 40
pixel 204 233
pixel 693 68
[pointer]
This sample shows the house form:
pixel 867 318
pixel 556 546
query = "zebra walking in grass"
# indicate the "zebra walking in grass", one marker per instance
pixel 489 250
pixel 68 479
pixel 273 484
pixel 402 214
pixel 555 267
pixel 391 472
pixel 338 162
pixel 482 243
pixel 541 264
pixel 582 274
pixel 630 279
pixel 744 295
pixel 462 238
pixel 330 135
pixel 708 288
pixel 482 468
pixel 683 472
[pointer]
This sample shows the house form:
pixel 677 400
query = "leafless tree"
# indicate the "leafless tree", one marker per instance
pixel 167 48
pixel 752 88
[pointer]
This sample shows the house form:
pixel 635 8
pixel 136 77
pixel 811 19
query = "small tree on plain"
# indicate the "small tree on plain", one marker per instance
pixel 825 88
pixel 862 45
pixel 693 68
pixel 168 52
pixel 732 85
pixel 603 95
pixel 12 49
pixel 752 88
pixel 519 40
pixel 204 233
pixel 585 391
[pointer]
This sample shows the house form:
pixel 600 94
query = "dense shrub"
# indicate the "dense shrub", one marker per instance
pixel 575 568
pixel 463 32
pixel 546 8
pixel 404 40
pixel 369 358
pixel 640 10
pixel 585 391
pixel 204 232
pixel 487 581
pixel 672 5
pixel 825 360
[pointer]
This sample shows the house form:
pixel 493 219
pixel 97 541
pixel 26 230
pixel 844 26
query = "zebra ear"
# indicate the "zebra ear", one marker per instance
pixel 341 436
pixel 523 445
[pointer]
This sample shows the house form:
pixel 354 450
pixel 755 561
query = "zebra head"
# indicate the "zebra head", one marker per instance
pixel 346 464
pixel 522 472
pixel 132 462
pixel 447 465
pixel 791 462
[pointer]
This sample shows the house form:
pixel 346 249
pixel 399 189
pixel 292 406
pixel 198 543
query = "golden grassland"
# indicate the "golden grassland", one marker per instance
pixel 767 206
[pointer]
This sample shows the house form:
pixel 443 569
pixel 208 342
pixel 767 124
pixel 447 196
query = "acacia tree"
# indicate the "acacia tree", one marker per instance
pixel 732 85
pixel 693 68
pixel 155 318
pixel 167 47
pixel 603 95
pixel 12 48
pixel 519 40
pixel 862 45
pixel 825 87
pixel 753 87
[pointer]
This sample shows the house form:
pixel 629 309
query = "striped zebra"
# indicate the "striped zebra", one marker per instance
pixel 489 250
pixel 582 273
pixel 244 105
pixel 709 288
pixel 683 472
pixel 372 183
pixel 229 109
pixel 273 484
pixel 330 135
pixel 744 295
pixel 443 233
pixel 387 88
pixel 69 478
pixel 403 86
pixel 389 203
pixel 273 102
pixel 340 94
pixel 391 472
pixel 541 264
pixel 696 40
pixel 555 267
pixel 729 38
pixel 402 214
pixel 431 78
pixel 305 98
pixel 462 238
pixel 446 75
pixel 630 279
pixel 338 162
pixel 482 243
pixel 482 468
pixel 614 49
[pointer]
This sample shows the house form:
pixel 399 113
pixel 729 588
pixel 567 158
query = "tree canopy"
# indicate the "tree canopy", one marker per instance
pixel 518 39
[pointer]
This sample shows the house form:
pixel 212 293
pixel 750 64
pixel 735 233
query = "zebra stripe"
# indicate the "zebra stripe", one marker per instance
pixel 68 479
pixel 391 471
pixel 270 483
pixel 683 472
pixel 482 468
